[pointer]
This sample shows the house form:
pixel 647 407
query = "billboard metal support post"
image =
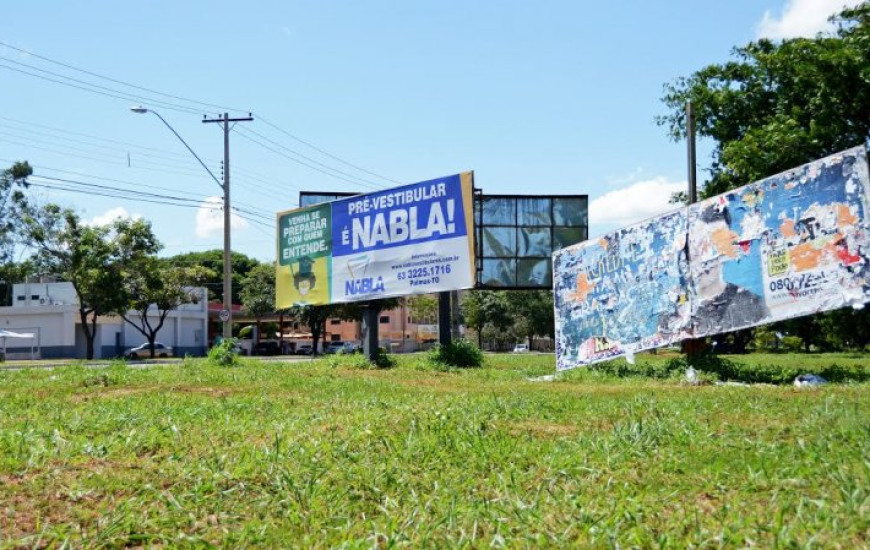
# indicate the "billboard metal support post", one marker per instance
pixel 695 346
pixel 370 330
pixel 444 334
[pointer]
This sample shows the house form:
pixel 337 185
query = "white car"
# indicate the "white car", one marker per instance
pixel 142 351
pixel 521 348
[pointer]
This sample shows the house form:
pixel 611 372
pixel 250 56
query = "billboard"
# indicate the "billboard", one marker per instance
pixel 413 239
pixel 622 293
pixel 517 235
pixel 790 245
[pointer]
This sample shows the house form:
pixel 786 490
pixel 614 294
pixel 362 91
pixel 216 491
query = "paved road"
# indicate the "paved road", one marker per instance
pixel 43 364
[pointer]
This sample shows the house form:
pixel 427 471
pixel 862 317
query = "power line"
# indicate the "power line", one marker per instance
pixel 116 81
pixel 28 124
pixel 127 182
pixel 102 160
pixel 280 153
pixel 364 182
pixel 319 150
pixel 102 194
pixel 127 96
pixel 177 161
pixel 101 150
pixel 197 200
pixel 109 93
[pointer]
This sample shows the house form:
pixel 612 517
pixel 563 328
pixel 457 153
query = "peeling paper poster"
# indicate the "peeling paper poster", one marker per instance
pixel 622 293
pixel 789 245
pixel 792 244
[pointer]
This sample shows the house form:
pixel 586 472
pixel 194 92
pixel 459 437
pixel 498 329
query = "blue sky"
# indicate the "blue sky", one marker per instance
pixel 535 97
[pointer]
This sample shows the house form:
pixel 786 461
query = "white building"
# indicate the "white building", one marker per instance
pixel 50 311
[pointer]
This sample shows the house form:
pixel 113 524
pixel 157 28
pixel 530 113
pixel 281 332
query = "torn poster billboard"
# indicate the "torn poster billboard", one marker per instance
pixel 622 293
pixel 790 245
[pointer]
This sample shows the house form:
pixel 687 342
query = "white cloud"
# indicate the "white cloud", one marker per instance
pixel 210 218
pixel 632 204
pixel 111 215
pixel 804 18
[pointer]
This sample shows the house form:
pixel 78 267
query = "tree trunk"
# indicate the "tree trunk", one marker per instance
pixel 315 336
pixel 89 335
pixel 480 338
pixel 281 333
pixel 151 339
pixel 257 338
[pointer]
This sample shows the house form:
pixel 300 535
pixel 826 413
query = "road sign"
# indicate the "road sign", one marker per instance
pixel 225 315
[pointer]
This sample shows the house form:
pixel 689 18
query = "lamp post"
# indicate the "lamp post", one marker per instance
pixel 226 314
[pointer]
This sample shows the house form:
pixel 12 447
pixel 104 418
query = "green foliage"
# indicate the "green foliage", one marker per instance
pixel 200 455
pixel 224 354
pixel 486 309
pixel 382 360
pixel 779 105
pixel 213 260
pixel 12 201
pixel 766 339
pixel 423 308
pixel 752 369
pixel 459 353
pixel 92 258
pixel 149 282
pixel 532 311
pixel 792 343
pixel 258 294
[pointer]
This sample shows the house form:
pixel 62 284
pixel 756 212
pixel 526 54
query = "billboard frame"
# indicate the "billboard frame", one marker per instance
pixel 479 227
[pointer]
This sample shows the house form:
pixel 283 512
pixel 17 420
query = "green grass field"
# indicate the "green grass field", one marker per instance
pixel 308 455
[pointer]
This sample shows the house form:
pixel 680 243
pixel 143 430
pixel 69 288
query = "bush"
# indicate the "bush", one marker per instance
pixel 225 354
pixel 792 343
pixel 382 360
pixel 459 353
pixel 766 340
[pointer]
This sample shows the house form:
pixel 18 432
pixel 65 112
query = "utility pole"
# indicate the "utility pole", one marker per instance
pixel 690 153
pixel 227 313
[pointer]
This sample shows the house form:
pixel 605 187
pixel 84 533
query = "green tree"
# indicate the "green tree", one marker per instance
pixel 533 314
pixel 11 273
pixel 485 308
pixel 258 293
pixel 214 261
pixel 423 308
pixel 12 200
pixel 777 105
pixel 151 288
pixel 88 257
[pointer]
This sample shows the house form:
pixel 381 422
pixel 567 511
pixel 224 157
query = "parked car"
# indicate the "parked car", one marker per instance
pixel 304 349
pixel 142 351
pixel 334 347
pixel 267 347
pixel 342 347
pixel 521 348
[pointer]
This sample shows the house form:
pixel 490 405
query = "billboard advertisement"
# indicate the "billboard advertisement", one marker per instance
pixel 792 244
pixel 517 235
pixel 622 293
pixel 413 239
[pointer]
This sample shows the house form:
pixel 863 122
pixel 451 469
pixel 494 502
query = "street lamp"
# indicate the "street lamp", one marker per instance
pixel 226 314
